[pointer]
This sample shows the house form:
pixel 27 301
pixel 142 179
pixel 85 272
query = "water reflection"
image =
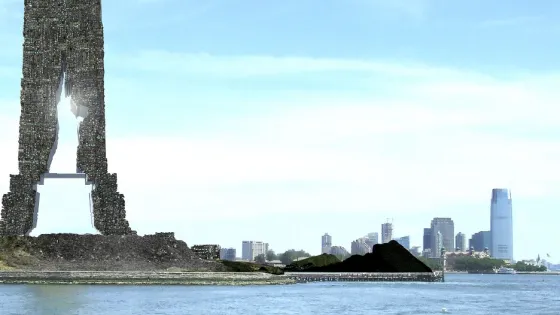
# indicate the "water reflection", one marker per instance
pixel 55 299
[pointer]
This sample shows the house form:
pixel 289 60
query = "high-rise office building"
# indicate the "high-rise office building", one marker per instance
pixel 461 242
pixel 228 254
pixel 372 239
pixel 386 232
pixel 326 244
pixel 252 249
pixel 339 251
pixel 501 225
pixel 359 247
pixel 438 244
pixel 480 241
pixel 404 241
pixel 415 250
pixel 447 229
pixel 427 239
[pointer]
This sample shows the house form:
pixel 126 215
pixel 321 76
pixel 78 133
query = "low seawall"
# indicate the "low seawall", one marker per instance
pixel 203 278
pixel 539 273
pixel 141 277
pixel 302 277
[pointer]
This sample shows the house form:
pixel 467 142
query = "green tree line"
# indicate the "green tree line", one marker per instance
pixel 472 264
pixel 461 263
pixel 286 257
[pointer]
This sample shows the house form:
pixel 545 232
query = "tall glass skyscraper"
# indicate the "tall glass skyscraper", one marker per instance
pixel 326 244
pixel 446 229
pixel 501 225
pixel 386 232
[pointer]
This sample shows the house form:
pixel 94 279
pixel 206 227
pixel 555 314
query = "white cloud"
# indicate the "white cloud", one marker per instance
pixel 258 65
pixel 443 140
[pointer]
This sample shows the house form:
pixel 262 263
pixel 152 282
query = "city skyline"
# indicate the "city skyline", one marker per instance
pixel 281 131
pixel 441 234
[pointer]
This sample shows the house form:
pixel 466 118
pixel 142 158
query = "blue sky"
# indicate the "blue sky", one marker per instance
pixel 280 121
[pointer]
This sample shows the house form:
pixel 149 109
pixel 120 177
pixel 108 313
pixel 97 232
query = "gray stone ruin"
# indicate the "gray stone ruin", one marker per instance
pixel 63 44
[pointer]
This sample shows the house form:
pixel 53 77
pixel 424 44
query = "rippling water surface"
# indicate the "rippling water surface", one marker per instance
pixel 460 294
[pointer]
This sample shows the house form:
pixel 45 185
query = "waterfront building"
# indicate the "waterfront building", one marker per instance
pixel 480 241
pixel 207 251
pixel 372 239
pixel 326 244
pixel 501 224
pixel 460 242
pixel 276 263
pixel 404 241
pixel 451 257
pixel 446 228
pixel 252 249
pixel 415 250
pixel 360 247
pixel 339 251
pixel 386 232
pixel 438 244
pixel 427 240
pixel 228 254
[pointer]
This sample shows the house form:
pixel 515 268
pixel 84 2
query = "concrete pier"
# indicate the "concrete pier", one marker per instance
pixel 303 277
pixel 204 278
pixel 141 278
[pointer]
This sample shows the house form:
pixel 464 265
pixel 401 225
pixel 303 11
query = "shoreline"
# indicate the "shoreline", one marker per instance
pixel 142 278
pixel 200 278
pixel 546 273
pixel 190 278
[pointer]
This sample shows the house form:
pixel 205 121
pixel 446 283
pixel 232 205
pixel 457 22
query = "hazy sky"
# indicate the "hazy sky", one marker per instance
pixel 279 121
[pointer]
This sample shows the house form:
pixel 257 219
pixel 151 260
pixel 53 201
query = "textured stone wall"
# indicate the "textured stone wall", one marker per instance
pixel 62 39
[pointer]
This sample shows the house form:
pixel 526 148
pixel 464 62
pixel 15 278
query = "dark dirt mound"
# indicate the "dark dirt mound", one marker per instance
pixel 389 257
pixel 312 262
pixel 242 266
pixel 99 252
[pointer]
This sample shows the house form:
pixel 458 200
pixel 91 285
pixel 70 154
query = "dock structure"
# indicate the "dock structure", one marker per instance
pixel 304 277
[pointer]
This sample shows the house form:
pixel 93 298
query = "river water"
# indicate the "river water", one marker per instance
pixel 460 294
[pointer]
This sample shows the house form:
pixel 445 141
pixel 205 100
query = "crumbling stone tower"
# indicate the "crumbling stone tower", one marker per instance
pixel 63 43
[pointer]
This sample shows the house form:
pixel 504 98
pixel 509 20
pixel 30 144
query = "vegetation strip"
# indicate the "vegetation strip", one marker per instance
pixel 480 265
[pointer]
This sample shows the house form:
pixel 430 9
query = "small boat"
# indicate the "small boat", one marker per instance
pixel 506 271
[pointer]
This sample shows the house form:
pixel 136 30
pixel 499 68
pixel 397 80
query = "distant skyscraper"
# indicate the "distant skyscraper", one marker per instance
pixel 447 229
pixel 386 232
pixel 326 244
pixel 461 242
pixel 359 247
pixel 501 225
pixel 339 251
pixel 438 244
pixel 427 240
pixel 228 254
pixel 372 239
pixel 415 250
pixel 404 241
pixel 252 249
pixel 480 240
